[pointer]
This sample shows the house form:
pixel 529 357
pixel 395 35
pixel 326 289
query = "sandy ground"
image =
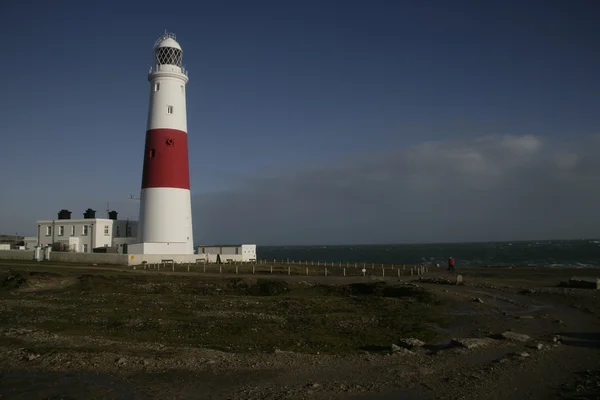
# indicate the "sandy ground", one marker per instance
pixel 558 359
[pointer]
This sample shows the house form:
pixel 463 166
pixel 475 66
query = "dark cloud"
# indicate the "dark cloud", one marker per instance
pixel 486 188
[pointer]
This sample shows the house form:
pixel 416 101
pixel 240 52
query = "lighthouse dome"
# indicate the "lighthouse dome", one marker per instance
pixel 168 51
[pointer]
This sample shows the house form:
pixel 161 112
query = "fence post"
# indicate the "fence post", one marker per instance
pixel 289 271
pixel 306 271
pixel 372 266
pixel 204 268
pixel 188 267
pixel 173 265
pixel 253 269
pixel 398 272
pixel 325 271
pixel 220 269
pixel 344 271
pixel 271 269
pixel 236 269
pixel 383 272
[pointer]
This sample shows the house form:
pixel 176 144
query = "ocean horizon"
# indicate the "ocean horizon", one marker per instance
pixel 578 253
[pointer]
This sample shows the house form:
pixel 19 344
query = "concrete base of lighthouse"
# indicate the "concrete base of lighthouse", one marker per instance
pixel 159 248
pixel 139 259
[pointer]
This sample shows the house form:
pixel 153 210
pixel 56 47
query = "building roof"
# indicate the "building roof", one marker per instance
pixel 225 245
pixel 66 221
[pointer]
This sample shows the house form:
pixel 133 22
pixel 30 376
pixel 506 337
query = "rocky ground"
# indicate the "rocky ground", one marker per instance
pixel 105 333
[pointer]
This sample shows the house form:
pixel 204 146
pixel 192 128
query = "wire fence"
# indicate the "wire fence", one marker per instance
pixel 287 267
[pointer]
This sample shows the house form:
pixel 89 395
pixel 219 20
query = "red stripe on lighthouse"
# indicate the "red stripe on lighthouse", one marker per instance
pixel 166 159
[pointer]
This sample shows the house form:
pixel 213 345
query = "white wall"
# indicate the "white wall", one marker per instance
pixel 243 253
pixel 95 237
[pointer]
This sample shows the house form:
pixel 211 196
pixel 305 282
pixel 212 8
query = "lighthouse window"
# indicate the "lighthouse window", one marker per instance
pixel 156 86
pixel 170 109
pixel 151 153
pixel 181 88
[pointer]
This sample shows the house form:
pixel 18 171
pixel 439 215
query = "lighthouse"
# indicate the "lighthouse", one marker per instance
pixel 165 218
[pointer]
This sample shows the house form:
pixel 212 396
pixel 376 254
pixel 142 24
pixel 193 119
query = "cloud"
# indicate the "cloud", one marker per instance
pixel 498 187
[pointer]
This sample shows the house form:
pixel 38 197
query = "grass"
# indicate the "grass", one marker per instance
pixel 231 314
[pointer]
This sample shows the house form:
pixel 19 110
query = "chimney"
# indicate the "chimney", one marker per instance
pixel 112 214
pixel 89 214
pixel 64 214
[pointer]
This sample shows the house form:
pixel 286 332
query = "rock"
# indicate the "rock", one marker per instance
pixel 395 348
pixel 122 361
pixel 409 343
pixel 539 346
pixel 477 300
pixel 471 343
pixel 402 351
pixel 559 322
pixel 584 282
pixel 32 357
pixel 523 354
pixel 557 339
pixel 518 337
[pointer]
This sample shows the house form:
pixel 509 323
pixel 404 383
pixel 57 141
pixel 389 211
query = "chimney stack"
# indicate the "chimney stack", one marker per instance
pixel 89 214
pixel 112 214
pixel 64 214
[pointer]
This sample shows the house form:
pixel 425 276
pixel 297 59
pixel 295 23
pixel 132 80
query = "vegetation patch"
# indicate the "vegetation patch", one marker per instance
pixel 240 315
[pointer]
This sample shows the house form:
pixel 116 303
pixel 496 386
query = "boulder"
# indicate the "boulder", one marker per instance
pixel 517 337
pixel 410 343
pixel 584 282
pixel 471 343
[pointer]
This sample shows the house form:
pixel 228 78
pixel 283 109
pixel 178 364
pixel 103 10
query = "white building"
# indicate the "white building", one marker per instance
pixel 84 235
pixel 228 253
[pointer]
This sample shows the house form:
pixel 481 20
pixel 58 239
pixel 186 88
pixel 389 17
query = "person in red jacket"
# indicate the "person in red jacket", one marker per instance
pixel 451 264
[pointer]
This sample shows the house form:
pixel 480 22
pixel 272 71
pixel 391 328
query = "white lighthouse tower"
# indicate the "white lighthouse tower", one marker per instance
pixel 165 220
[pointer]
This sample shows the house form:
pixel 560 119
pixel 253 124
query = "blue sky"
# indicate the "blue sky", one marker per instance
pixel 284 95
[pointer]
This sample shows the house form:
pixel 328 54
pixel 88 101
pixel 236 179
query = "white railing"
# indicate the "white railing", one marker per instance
pixel 168 68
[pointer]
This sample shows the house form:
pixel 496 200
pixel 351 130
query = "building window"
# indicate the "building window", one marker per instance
pixel 156 86
pixel 170 109
pixel 73 230
pixel 85 246
pixel 237 250
pixel 117 233
pixel 106 233
pixel 128 231
pixel 61 230
pixel 84 230
pixel 48 230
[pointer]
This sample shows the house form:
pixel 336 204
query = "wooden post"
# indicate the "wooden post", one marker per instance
pixel 253 269
pixel 344 271
pixel 383 272
pixel 398 272
pixel 325 271
pixel 372 266
pixel 188 267
pixel 220 269
pixel 306 271
pixel 271 269
pixel 204 268
pixel 289 271
pixel 173 265
pixel 411 271
pixel 236 269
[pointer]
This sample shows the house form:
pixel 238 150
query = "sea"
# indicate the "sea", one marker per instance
pixel 582 253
